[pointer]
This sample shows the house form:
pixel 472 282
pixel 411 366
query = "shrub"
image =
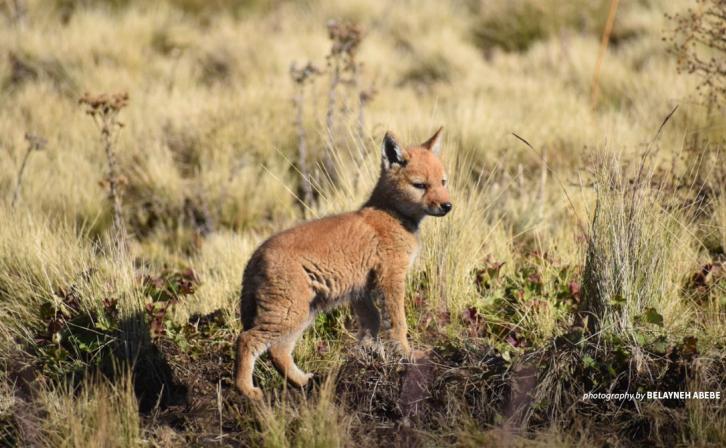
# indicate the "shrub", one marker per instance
pixel 699 43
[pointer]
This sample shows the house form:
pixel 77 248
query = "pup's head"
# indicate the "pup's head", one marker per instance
pixel 415 178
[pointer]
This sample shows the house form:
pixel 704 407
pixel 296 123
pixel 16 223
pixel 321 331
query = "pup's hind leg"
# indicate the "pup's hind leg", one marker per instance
pixel 250 345
pixel 281 353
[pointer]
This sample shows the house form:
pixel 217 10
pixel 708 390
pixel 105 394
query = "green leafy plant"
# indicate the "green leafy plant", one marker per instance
pixel 164 291
pixel 75 338
pixel 515 304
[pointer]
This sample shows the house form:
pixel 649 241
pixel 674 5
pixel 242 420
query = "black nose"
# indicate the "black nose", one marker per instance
pixel 446 207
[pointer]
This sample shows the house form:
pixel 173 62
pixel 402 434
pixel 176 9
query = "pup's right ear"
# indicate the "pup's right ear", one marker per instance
pixel 393 154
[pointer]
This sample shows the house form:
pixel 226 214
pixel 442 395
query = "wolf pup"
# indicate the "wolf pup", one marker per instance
pixel 352 257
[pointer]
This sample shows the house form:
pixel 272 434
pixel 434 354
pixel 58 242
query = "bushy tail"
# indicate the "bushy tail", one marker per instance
pixel 248 308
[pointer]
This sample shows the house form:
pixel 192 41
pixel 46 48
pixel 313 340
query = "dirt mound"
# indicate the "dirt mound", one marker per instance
pixel 398 396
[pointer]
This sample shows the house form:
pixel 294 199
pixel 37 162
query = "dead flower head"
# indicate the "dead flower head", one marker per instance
pixel 104 104
pixel 346 38
pixel 305 73
pixel 35 142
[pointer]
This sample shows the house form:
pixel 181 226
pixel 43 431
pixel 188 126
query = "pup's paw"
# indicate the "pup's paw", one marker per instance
pixel 253 393
pixel 313 381
pixel 370 346
pixel 403 349
pixel 309 378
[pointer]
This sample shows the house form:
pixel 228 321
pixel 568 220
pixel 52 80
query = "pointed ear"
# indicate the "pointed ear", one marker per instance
pixel 434 143
pixel 392 152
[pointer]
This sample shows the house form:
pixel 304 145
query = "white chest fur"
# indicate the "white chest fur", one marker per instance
pixel 412 257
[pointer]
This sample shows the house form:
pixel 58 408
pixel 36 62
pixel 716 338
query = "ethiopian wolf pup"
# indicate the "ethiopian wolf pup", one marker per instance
pixel 352 257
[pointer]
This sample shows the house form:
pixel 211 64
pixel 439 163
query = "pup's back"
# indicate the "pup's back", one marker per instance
pixel 312 266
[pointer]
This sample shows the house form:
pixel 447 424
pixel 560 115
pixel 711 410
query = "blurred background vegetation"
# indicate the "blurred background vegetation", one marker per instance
pixel 587 250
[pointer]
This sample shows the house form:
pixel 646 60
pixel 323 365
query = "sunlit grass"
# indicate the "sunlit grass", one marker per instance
pixel 208 153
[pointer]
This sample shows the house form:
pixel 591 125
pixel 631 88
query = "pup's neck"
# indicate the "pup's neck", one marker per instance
pixel 384 200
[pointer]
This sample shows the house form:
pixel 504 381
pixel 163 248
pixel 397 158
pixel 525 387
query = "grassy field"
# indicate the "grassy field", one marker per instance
pixel 583 254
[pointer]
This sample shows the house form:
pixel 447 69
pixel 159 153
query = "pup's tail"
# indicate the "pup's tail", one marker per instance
pixel 248 308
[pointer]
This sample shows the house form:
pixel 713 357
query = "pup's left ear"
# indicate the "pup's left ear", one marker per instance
pixel 434 143
pixel 393 153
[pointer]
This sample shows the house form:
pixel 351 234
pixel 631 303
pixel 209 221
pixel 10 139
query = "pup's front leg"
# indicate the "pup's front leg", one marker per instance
pixel 369 319
pixel 393 285
pixel 369 323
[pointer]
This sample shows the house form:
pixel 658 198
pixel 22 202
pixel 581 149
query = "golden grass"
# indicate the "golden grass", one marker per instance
pixel 209 131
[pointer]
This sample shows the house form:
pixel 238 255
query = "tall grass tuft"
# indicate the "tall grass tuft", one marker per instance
pixel 635 251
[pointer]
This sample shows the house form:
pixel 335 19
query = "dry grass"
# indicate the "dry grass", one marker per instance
pixel 100 415
pixel 210 157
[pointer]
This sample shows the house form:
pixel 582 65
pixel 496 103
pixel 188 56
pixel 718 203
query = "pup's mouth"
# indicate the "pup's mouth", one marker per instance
pixel 438 212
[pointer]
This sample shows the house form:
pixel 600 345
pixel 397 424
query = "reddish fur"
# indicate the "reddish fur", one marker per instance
pixel 352 257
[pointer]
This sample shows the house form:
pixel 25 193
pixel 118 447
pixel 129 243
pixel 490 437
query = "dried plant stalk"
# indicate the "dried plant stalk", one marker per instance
pixel 104 110
pixel 35 143
pixel 345 39
pixel 595 95
pixel 301 76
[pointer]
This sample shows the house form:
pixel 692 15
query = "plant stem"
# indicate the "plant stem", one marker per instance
pixel 543 184
pixel 595 94
pixel 16 193
pixel 114 194
pixel 302 150
pixel 361 114
pixel 330 116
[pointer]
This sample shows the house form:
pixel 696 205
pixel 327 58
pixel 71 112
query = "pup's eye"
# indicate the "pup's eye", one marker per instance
pixel 419 185
pixel 443 182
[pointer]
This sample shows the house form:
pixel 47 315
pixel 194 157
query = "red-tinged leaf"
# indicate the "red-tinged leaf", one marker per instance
pixel 512 340
pixel 690 346
pixel 444 317
pixel 471 315
pixel 474 320
pixel 322 347
pixel 575 289
pixel 156 327
pixel 110 307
